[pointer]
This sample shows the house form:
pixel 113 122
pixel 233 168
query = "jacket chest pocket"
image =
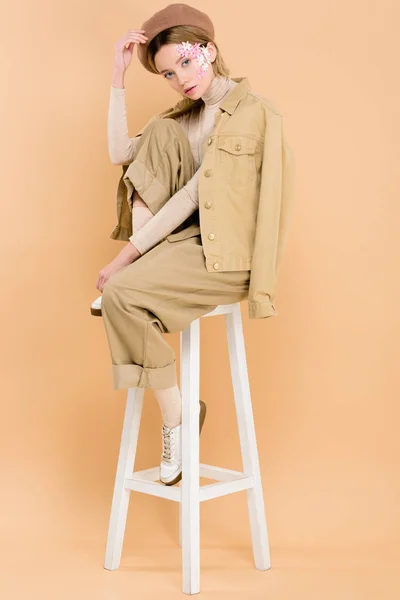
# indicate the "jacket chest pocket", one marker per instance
pixel 236 158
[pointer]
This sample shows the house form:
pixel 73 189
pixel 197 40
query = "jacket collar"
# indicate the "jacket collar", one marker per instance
pixel 238 92
pixel 228 105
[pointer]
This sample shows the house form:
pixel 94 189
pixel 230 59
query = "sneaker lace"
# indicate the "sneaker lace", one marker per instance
pixel 168 443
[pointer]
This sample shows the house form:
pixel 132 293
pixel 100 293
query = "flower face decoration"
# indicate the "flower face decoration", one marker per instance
pixel 188 50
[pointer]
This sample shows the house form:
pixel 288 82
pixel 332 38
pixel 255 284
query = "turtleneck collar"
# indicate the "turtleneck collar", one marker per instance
pixel 216 91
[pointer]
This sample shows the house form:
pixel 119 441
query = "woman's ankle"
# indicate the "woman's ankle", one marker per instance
pixel 137 200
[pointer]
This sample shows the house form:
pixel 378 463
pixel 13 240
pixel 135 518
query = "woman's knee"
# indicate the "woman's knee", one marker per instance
pixel 127 288
pixel 116 292
pixel 111 296
pixel 166 124
pixel 165 131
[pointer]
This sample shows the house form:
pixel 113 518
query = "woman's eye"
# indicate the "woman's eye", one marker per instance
pixel 186 60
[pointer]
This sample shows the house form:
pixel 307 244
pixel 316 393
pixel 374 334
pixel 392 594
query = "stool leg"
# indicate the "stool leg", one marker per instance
pixel 190 509
pixel 180 483
pixel 180 517
pixel 126 462
pixel 248 444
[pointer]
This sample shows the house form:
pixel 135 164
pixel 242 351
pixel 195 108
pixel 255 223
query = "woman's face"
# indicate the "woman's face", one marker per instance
pixel 183 72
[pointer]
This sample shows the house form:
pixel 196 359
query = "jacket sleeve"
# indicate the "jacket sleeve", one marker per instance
pixel 273 217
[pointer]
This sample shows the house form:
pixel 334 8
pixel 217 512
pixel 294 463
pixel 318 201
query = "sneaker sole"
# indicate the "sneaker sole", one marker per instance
pixel 202 416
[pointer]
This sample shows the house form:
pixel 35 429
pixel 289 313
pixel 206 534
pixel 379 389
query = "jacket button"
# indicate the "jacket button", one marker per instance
pixel 208 173
pixel 207 204
pixel 216 266
pixel 211 236
pixel 209 141
pixel 238 147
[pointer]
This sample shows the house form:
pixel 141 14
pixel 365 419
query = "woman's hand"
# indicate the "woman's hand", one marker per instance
pixel 127 255
pixel 123 48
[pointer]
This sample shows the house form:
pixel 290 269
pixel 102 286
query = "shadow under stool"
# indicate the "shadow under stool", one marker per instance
pixel 190 493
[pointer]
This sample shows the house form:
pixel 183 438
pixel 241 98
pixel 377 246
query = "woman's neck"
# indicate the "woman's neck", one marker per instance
pixel 216 91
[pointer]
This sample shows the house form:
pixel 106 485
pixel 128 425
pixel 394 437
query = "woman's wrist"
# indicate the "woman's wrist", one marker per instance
pixel 118 77
pixel 128 254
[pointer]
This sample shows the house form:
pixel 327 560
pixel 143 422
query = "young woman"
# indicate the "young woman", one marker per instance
pixel 207 213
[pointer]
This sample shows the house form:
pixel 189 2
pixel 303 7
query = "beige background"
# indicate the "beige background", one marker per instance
pixel 324 373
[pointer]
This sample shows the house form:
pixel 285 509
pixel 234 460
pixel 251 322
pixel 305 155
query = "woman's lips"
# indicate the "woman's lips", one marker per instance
pixel 190 90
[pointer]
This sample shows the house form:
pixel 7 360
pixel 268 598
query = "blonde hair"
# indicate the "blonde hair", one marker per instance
pixel 184 33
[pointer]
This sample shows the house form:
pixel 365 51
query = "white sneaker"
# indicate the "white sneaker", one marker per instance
pixel 171 457
pixel 95 308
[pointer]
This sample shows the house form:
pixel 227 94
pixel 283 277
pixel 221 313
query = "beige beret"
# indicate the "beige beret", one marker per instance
pixel 171 15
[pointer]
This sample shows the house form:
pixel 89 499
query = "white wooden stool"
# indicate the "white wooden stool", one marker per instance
pixel 190 493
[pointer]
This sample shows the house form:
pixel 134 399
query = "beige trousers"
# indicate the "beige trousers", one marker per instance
pixel 169 286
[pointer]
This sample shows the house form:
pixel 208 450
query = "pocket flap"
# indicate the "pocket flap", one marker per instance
pixel 235 144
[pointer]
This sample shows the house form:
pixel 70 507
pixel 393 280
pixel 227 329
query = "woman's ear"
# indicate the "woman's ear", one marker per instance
pixel 212 50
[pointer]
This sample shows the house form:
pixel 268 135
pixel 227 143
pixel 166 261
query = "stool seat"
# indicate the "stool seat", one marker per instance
pixel 189 493
pixel 95 309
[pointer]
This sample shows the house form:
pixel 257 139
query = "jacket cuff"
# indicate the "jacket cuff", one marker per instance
pixel 261 310
pixel 120 233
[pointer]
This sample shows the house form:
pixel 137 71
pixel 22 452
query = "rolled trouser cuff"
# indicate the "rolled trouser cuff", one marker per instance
pixel 129 376
pixel 149 188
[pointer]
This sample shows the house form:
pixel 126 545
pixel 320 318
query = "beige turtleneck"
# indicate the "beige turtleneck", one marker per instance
pixel 149 229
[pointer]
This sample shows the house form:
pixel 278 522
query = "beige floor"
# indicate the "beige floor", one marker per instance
pixel 61 570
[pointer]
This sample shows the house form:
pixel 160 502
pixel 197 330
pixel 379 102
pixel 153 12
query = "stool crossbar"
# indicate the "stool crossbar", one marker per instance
pixel 189 493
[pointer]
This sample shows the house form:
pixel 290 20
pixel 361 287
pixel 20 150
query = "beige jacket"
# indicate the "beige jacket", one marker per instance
pixel 246 192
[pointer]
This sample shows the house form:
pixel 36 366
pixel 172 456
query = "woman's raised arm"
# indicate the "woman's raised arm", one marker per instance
pixel 121 147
